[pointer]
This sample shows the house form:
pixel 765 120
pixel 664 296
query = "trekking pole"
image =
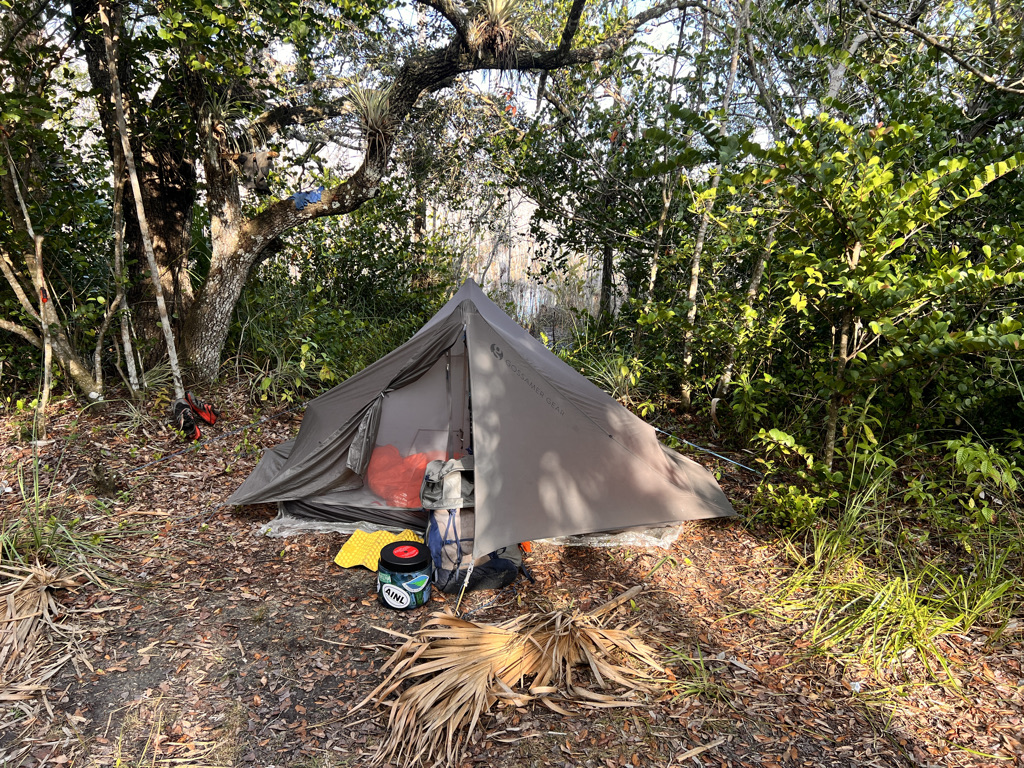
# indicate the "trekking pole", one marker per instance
pixel 465 584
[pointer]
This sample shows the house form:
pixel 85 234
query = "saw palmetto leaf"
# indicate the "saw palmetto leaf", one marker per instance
pixel 31 651
pixel 440 683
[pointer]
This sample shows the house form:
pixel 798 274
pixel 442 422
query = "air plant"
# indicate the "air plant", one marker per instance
pixel 373 107
pixel 497 26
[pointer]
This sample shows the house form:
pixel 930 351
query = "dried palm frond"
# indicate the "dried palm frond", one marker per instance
pixel 443 680
pixel 28 657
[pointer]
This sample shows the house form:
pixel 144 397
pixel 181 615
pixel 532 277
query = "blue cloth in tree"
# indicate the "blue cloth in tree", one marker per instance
pixel 302 199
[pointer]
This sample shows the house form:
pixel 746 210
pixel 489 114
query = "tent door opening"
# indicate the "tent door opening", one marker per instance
pixel 430 415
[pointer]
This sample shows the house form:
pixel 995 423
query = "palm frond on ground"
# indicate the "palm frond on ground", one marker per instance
pixel 31 651
pixel 442 681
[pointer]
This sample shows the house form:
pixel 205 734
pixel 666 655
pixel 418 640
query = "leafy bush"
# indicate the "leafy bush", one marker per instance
pixel 921 548
pixel 343 294
pixel 788 507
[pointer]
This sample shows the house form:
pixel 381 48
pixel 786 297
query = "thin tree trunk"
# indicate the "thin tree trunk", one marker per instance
pixel 832 420
pixel 126 338
pixel 668 180
pixel 166 170
pixel 837 73
pixel 604 305
pixel 44 396
pixel 101 334
pixel 134 384
pixel 686 391
pixel 747 322
pixel 36 270
pixel 843 357
pixel 53 338
pixel 147 241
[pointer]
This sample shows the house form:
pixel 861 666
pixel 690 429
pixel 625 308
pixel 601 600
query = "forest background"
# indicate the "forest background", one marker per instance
pixel 796 230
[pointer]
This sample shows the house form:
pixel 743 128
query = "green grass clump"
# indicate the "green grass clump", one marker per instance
pixel 879 586
pixel 43 530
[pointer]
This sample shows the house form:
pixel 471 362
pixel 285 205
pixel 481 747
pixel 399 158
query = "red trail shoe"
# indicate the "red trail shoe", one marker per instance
pixel 204 411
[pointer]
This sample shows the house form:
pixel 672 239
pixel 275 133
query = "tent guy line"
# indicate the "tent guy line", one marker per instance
pixel 707 450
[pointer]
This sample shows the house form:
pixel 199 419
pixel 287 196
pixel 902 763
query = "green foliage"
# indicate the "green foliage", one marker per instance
pixel 697 676
pixel 347 293
pixel 787 507
pixel 966 486
pixel 372 105
pixel 884 620
pixel 872 243
pixel 883 582
pixel 781 444
pixel 63 179
pixel 870 598
pixel 218 39
pixel 622 377
pixel 985 470
pixel 44 532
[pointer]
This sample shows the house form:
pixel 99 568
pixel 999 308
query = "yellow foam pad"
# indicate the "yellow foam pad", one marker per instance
pixel 363 548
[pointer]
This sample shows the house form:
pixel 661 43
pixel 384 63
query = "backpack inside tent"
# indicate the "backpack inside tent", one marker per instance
pixel 554 455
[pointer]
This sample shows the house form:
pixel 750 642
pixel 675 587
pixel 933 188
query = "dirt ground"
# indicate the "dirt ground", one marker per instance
pixel 211 644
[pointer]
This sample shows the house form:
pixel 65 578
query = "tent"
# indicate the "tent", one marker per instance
pixel 554 455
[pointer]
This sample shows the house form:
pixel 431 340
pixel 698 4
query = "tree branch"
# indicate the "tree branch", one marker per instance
pixel 874 13
pixel 101 334
pixel 275 120
pixel 555 59
pixel 8 270
pixel 454 16
pixel 14 33
pixel 420 74
pixel 20 330
pixel 572 25
pixel 147 240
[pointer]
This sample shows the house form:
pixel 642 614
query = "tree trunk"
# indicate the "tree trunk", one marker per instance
pixel 238 244
pixel 686 390
pixel 419 167
pixel 604 304
pixel 832 419
pixel 168 192
pixel 126 337
pixel 167 178
pixel 747 322
pixel 52 338
pixel 842 357
pixel 44 395
pixel 668 180
pixel 172 354
pixel 168 195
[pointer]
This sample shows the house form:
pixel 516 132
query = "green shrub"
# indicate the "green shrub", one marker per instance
pixel 788 507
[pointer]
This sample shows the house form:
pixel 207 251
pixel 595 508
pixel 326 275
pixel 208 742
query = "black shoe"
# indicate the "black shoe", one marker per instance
pixel 183 420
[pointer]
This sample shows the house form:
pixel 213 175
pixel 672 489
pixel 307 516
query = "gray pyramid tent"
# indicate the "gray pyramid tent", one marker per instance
pixel 554 454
